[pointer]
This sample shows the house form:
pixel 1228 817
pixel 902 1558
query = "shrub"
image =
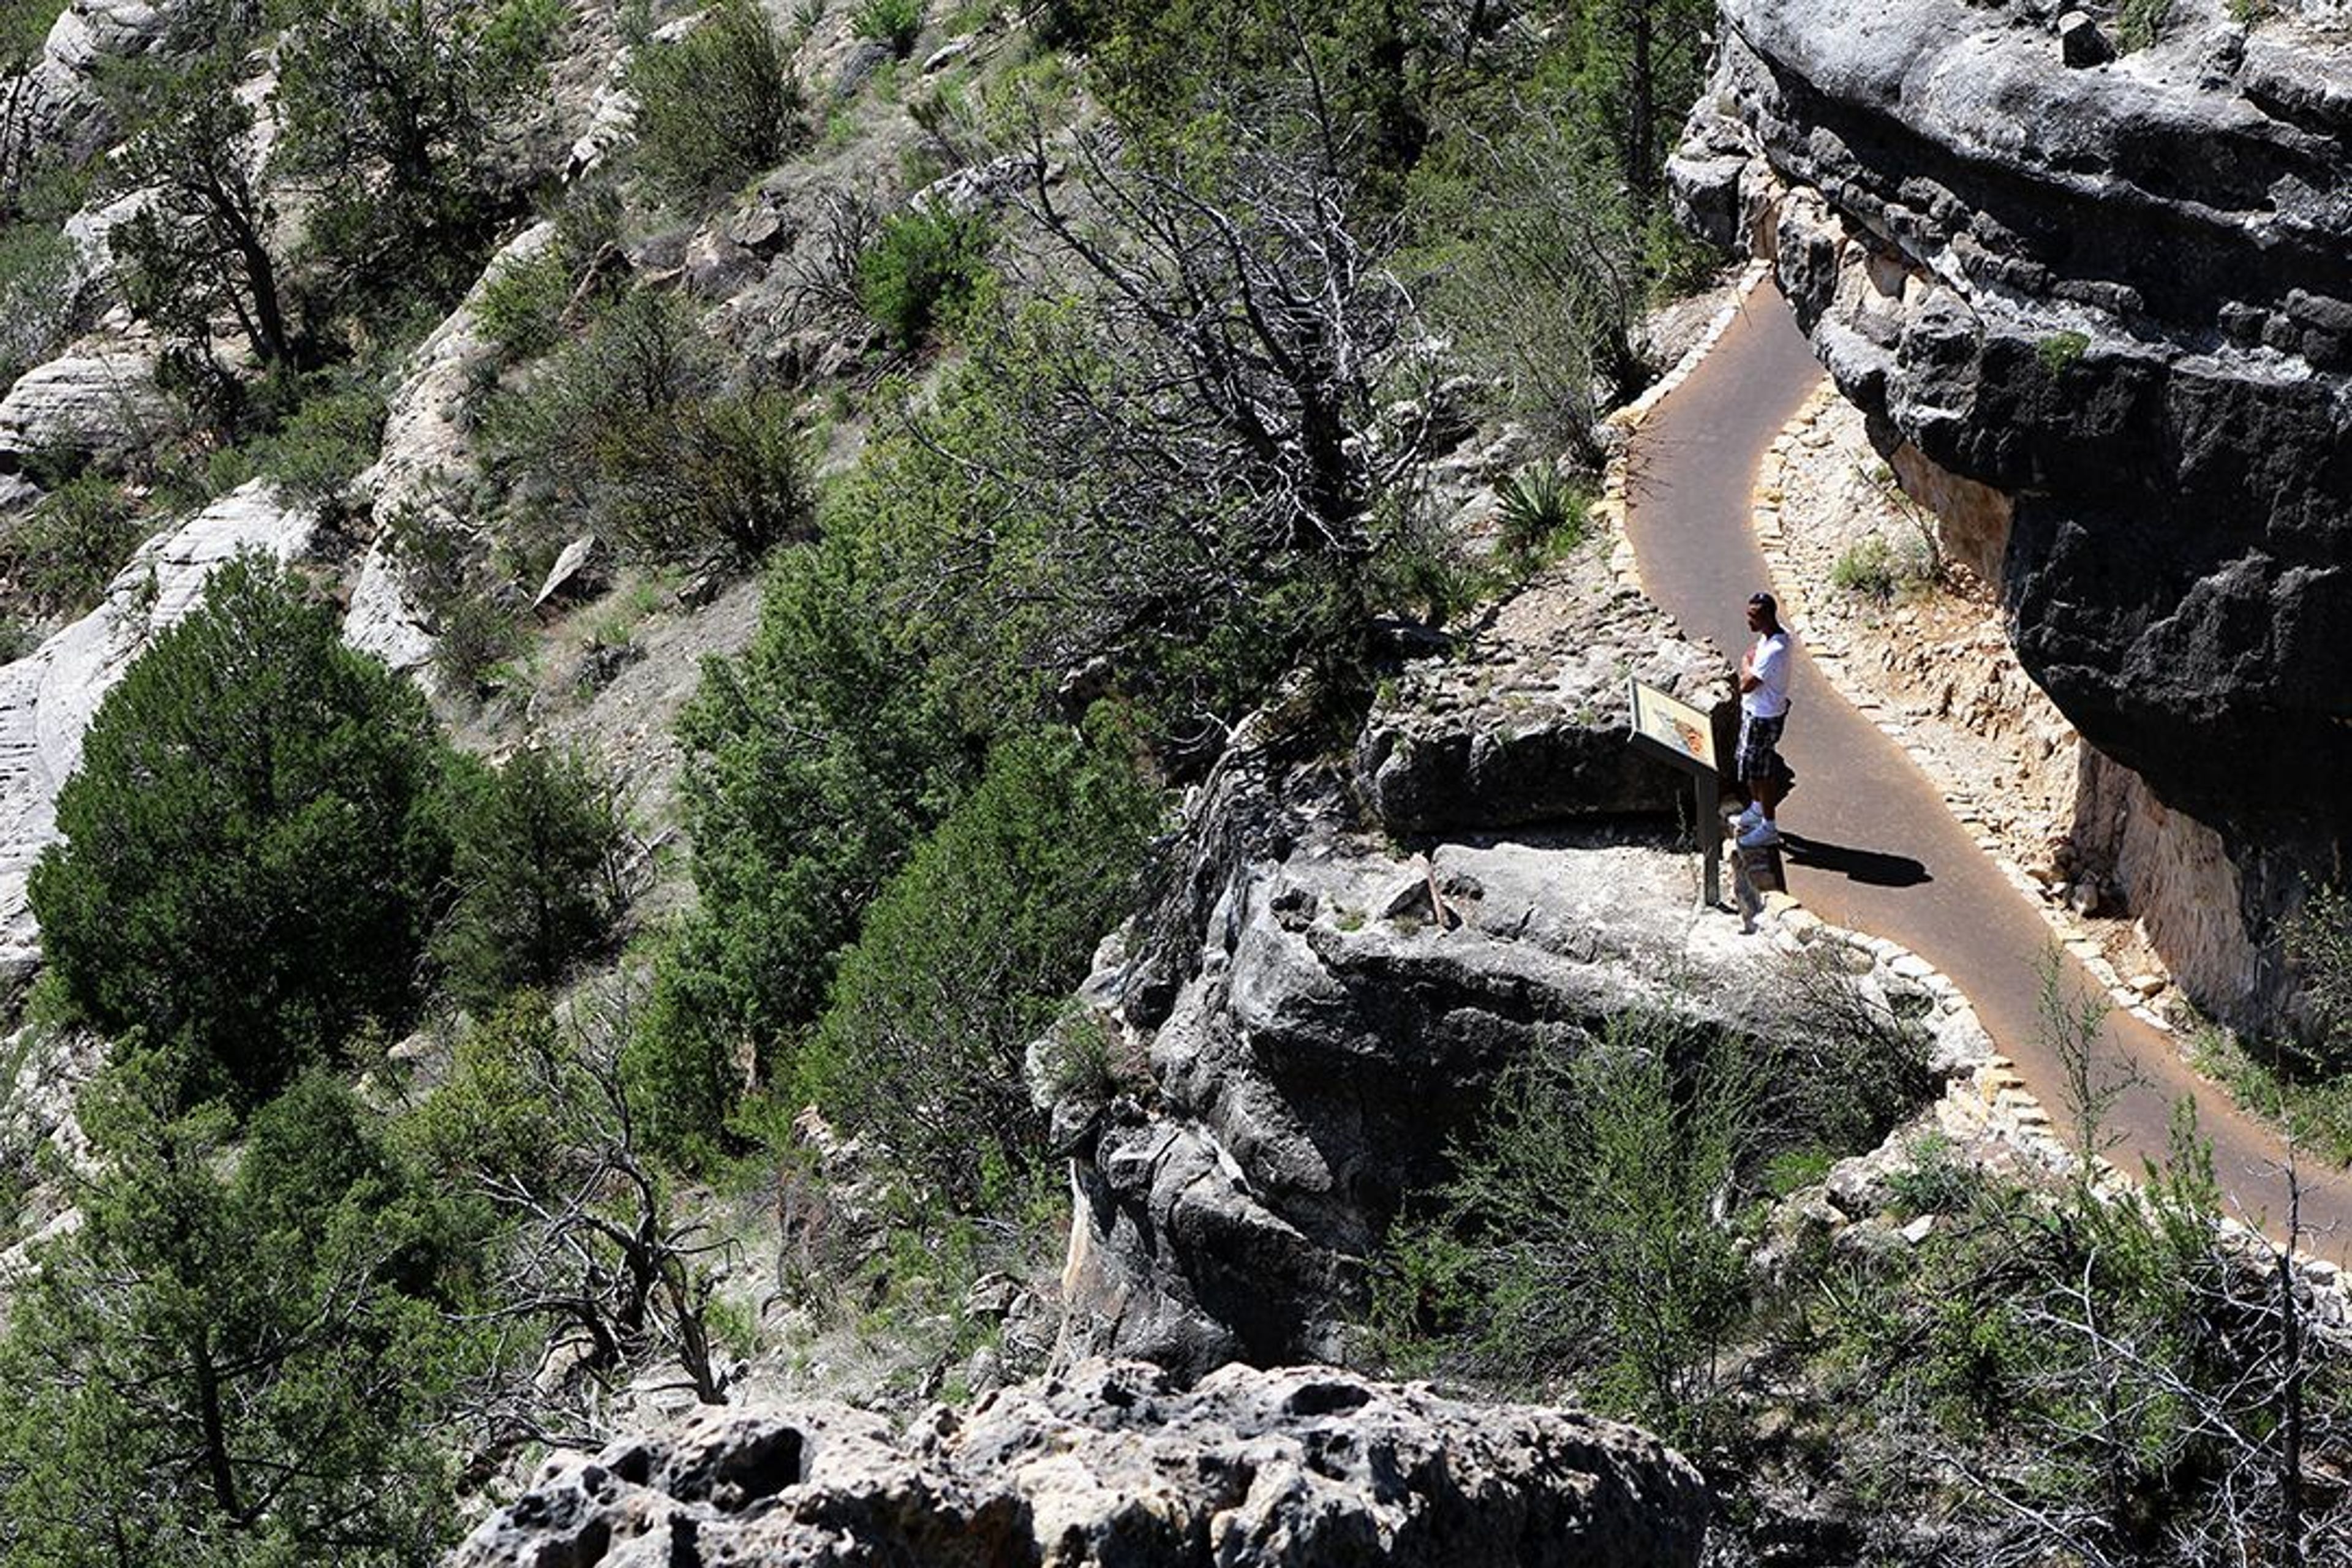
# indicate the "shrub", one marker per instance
pixel 735 476
pixel 535 848
pixel 60 559
pixel 393 115
pixel 1541 510
pixel 1866 567
pixel 335 433
pixel 2061 351
pixel 253 849
pixel 1581 1234
pixel 922 272
pixel 2140 23
pixel 1004 903
pixel 717 106
pixel 628 432
pixel 522 307
pixel 897 22
pixel 817 758
pixel 36 296
pixel 246 1353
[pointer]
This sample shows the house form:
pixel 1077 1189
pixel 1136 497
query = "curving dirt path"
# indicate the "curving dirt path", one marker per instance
pixel 1869 842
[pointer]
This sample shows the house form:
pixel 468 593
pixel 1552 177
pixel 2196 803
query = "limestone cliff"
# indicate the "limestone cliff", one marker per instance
pixel 2107 299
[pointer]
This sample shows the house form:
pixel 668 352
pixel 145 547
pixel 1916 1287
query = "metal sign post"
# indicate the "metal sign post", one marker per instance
pixel 1679 734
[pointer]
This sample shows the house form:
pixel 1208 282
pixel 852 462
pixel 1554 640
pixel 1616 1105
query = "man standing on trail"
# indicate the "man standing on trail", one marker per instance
pixel 1763 710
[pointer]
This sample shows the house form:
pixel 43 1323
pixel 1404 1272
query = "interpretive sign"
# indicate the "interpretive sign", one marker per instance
pixel 1674 732
pixel 1679 732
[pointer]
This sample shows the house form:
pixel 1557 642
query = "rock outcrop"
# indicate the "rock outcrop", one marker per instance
pixel 1112 1465
pixel 83 407
pixel 1313 1015
pixel 2116 294
pixel 1532 724
pixel 48 697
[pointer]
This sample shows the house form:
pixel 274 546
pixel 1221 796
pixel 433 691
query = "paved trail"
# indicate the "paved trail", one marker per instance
pixel 1870 843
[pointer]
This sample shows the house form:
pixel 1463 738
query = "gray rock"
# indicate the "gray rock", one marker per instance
pixel 99 406
pixel 1314 1061
pixel 62 104
pixel 2080 42
pixel 866 57
pixel 1113 1465
pixel 579 573
pixel 1540 733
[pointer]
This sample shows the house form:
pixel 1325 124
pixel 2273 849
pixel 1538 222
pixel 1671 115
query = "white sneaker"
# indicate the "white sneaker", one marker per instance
pixel 1749 817
pixel 1763 835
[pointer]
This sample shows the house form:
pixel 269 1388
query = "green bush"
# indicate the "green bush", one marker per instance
pixel 629 432
pixel 922 272
pixel 394 116
pixel 60 558
pixel 1542 510
pixel 735 477
pixel 1866 567
pixel 522 307
pixel 817 758
pixel 245 1354
pixel 2061 351
pixel 334 433
pixel 717 106
pixel 253 847
pixel 1580 1233
pixel 1004 903
pixel 535 848
pixel 2140 23
pixel 36 296
pixel 897 23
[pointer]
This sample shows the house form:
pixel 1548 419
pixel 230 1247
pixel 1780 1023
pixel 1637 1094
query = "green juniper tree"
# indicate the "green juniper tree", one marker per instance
pixel 243 1354
pixel 254 849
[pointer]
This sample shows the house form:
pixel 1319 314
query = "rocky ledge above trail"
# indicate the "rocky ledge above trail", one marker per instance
pixel 1530 725
pixel 1111 1464
pixel 2117 295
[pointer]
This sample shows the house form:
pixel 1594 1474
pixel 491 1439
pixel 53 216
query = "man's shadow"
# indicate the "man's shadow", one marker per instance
pixel 1865 866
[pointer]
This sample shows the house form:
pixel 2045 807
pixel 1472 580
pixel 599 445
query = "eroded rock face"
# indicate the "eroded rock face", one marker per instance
pixel 1533 728
pixel 2121 296
pixel 48 697
pixel 1113 1465
pixel 65 106
pixel 1313 1015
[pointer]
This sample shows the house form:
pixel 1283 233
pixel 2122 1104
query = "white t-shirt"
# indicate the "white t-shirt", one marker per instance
pixel 1770 665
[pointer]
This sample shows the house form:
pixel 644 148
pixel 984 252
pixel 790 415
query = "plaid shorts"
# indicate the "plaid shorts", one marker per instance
pixel 1760 742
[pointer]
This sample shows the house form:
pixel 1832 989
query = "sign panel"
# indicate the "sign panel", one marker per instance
pixel 1679 732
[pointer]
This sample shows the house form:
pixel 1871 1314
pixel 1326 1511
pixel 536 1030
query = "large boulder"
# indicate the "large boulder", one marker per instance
pixel 1312 1018
pixel 65 106
pixel 1532 723
pixel 48 697
pixel 1112 1465
pixel 99 407
pixel 2117 295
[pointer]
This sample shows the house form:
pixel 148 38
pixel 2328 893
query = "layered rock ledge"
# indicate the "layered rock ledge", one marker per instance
pixel 1112 1465
pixel 2110 308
